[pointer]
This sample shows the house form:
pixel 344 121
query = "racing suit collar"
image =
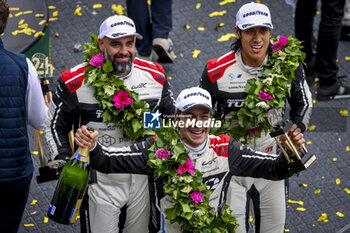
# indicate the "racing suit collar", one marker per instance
pixel 249 69
pixel 195 153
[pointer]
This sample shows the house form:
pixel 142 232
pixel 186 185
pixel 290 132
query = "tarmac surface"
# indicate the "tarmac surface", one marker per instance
pixel 317 187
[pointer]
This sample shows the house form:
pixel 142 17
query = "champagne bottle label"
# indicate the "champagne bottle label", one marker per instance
pixel 82 158
pixel 52 209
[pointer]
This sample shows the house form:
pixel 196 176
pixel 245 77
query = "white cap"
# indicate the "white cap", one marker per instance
pixel 118 26
pixel 253 15
pixel 191 97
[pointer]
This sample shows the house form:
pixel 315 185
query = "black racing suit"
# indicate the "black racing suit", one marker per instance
pixel 225 78
pixel 223 162
pixel 74 105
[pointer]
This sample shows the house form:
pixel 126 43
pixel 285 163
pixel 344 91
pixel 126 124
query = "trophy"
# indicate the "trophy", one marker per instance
pixel 298 160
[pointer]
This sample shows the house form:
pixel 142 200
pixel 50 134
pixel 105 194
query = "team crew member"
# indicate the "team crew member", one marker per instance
pixel 74 105
pixel 226 160
pixel 225 78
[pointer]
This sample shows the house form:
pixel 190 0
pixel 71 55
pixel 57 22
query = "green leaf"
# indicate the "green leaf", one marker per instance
pixel 170 213
pixel 108 67
pixel 185 208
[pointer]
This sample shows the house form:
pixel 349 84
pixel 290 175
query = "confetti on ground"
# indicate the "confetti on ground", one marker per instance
pixel 226 37
pixel 28 225
pixel 301 203
pixel 347 148
pixel 314 101
pixel 27 12
pixel 337 61
pixel 41 132
pixel 40 15
pixel 303 185
pixel 21 21
pixel 39 34
pixel 221 24
pixel 14 9
pixel 57 34
pixel 19 13
pixel 323 217
pixel 311 127
pixel 286 230
pixel 34 212
pixel 344 112
pixel 309 142
pixel 46 219
pixel 198 6
pixel 300 209
pixel 34 202
pixel 78 11
pixel 334 159
pixel 347 58
pixel 217 13
pixel 54 19
pixel 195 53
pixel 317 191
pixel 170 78
pixel 337 181
pixel 35 152
pixel 226 1
pixel 340 214
pixel 347 190
pixel 251 219
pixel 119 9
pixel 42 22
pixel 200 28
pixel 95 6
pixel 52 7
pixel 322 177
pixel 55 13
pixel 187 27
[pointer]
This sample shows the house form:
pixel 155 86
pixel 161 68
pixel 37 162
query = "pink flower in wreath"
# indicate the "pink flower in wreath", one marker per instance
pixel 265 96
pixel 253 130
pixel 279 44
pixel 121 99
pixel 97 60
pixel 197 197
pixel 163 154
pixel 186 167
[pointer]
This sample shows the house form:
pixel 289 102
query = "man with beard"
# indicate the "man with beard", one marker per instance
pixel 74 105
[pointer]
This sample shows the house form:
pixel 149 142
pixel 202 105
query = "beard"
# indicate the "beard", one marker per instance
pixel 120 67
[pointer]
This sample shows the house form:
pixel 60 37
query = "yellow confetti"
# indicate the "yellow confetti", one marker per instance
pixel 34 152
pixel 195 53
pixel 317 191
pixel 170 78
pixel 221 24
pixel 339 214
pixel 28 225
pixel 19 13
pixel 301 203
pixel 286 230
pixel 27 12
pixel 23 25
pixel 323 217
pixel 337 60
pixel 39 34
pixel 78 11
pixel 34 202
pixel 347 149
pixel 309 142
pixel 318 12
pixel 311 127
pixel 14 9
pixel 54 19
pixel 42 132
pixel 303 185
pixel 226 1
pixel 226 37
pixel 300 209
pixel 46 219
pixel 21 21
pixel 42 22
pixel 55 13
pixel 251 219
pixel 322 177
pixel 10 16
pixel 187 26
pixel 57 34
pixel 39 15
pixel 95 6
pixel 347 190
pixel 51 7
pixel 200 28
pixel 337 181
pixel 149 2
pixel 198 6
pixel 257 1
pixel 344 112
pixel 119 9
pixel 347 58
pixel 218 13
pixel 334 159
pixel 314 101
pixel 78 216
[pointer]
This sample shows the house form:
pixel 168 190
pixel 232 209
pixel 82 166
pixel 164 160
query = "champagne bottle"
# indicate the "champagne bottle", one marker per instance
pixel 70 188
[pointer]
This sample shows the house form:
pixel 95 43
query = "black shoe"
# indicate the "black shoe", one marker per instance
pixel 345 33
pixel 338 90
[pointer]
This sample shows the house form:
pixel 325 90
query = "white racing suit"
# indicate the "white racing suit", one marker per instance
pixel 225 78
pixel 223 162
pixel 74 105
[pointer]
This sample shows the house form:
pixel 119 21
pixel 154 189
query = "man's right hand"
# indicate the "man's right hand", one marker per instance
pixel 83 137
